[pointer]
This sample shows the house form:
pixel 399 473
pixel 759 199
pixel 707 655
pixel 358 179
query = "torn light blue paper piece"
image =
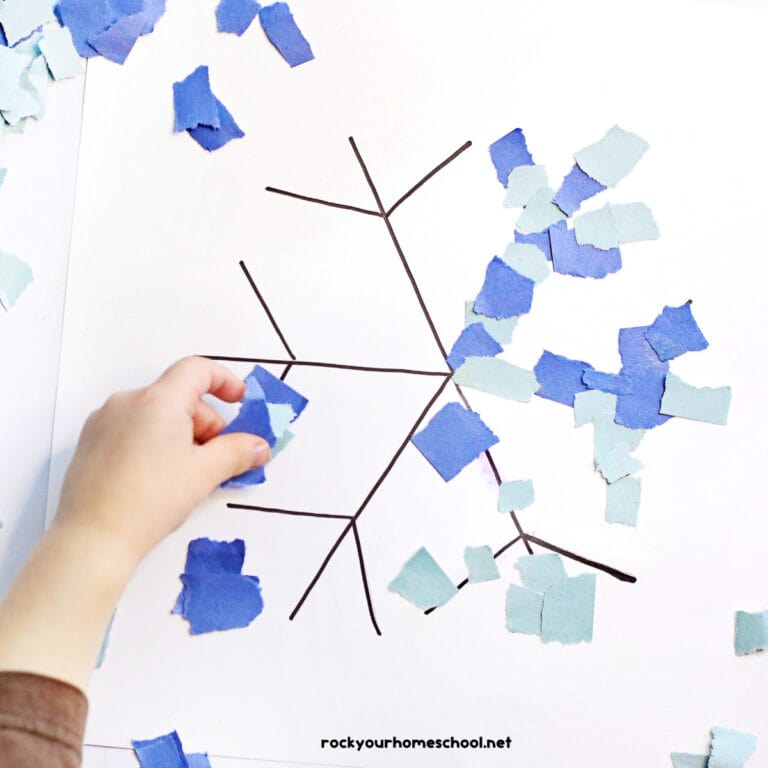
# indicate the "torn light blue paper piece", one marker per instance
pixel 13 64
pixel 162 752
pixel 729 748
pixel 236 16
pixel 454 438
pixel 751 632
pixel 194 103
pixel 524 607
pixel 20 18
pixel 501 330
pixel 514 495
pixel 616 463
pixel 474 341
pixel 540 213
pixel 216 596
pixel 282 31
pixel 698 403
pixel 523 183
pixel 609 160
pixel 60 54
pixel 280 416
pixel 3 172
pixel 567 614
pixel 540 572
pixel 623 501
pixel 687 760
pixel 614 225
pixel 423 582
pixel 527 260
pixel 509 152
pixel 105 642
pixel 481 565
pixel 505 292
pixel 593 406
pixel 570 258
pixel 117 41
pixel 597 228
pixel 560 378
pixel 675 332
pixel 577 187
pixel 539 239
pixel 15 276
pixel 497 377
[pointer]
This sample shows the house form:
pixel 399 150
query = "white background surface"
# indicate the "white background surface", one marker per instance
pixel 160 227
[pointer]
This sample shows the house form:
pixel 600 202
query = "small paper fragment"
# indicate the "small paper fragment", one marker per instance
pixel 560 378
pixel 473 341
pixel 577 187
pixel 540 213
pixel 597 228
pixel 505 292
pixel 280 416
pixel 60 54
pixel 215 138
pixel 194 102
pixel 509 152
pixel 105 641
pixel 514 495
pixel 454 438
pixel 540 572
pixel 623 501
pixel 687 760
pixel 3 172
pixel 527 260
pixel 729 748
pixel 571 258
pixel 593 405
pixel 15 276
pixel 539 239
pixel 497 377
pixel 616 463
pixel 198 760
pixel 423 582
pixel 236 16
pixel 20 18
pixel 614 383
pixel 675 332
pixel 614 225
pixel 116 42
pixel 282 31
pixel 708 404
pixel 567 614
pixel 523 183
pixel 609 160
pixel 481 565
pixel 501 330
pixel 751 633
pixel 524 607
pixel 162 752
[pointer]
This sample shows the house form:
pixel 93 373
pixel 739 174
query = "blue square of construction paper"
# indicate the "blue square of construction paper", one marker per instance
pixel 194 102
pixel 560 378
pixel 205 556
pixel 282 31
pixel 575 189
pixel 474 341
pixel 217 602
pixel 674 332
pixel 453 438
pixel 162 752
pixel 505 292
pixel 508 152
pixel 236 16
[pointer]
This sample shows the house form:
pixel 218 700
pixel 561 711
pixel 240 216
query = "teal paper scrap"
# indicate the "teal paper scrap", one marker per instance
pixel 751 633
pixel 623 501
pixel 527 259
pixel 501 330
pixel 20 18
pixel 687 760
pixel 699 403
pixel 609 160
pixel 729 748
pixel 15 276
pixel 614 225
pixel 497 377
pixel 597 228
pixel 280 417
pixel 12 66
pixel 540 213
pixel 60 54
pixel 481 565
pixel 515 494
pixel 105 641
pixel 616 463
pixel 609 434
pixel 593 406
pixel 423 582
pixel 523 183
pixel 540 572
pixel 524 608
pixel 567 614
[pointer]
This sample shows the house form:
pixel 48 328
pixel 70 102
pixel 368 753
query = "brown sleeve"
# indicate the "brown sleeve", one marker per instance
pixel 42 722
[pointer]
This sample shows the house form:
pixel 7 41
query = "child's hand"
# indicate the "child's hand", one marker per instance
pixel 149 456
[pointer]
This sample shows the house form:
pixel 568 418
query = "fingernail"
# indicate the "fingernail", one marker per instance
pixel 260 453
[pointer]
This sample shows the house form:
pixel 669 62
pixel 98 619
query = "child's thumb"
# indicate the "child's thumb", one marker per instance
pixel 232 454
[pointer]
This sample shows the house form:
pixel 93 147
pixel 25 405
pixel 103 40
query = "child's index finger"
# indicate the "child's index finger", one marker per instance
pixel 194 377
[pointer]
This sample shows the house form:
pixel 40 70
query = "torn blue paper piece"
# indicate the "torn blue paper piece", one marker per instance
pixel 15 276
pixel 474 341
pixel 84 20
pixel 216 596
pixel 540 213
pixel 281 29
pixel 198 760
pixel 729 748
pixel 505 292
pixel 59 51
pixel 623 501
pixel 699 403
pixel 523 610
pixel 675 332
pixel 423 582
pixel 570 258
pixel 20 18
pixel 607 382
pixel 514 495
pixel 560 378
pixel 540 572
pixel 616 463
pixel 454 438
pixel 609 160
pixel 523 183
pixel 614 225
pixel 639 408
pixel 236 16
pixel 751 634
pixel 117 41
pixel 539 239
pixel 509 152
pixel 577 187
pixel 194 102
pixel 687 760
pixel 567 614
pixel 215 138
pixel 501 330
pixel 162 752
pixel 497 377
pixel 481 565
pixel 3 40
pixel 527 260
pixel 105 641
